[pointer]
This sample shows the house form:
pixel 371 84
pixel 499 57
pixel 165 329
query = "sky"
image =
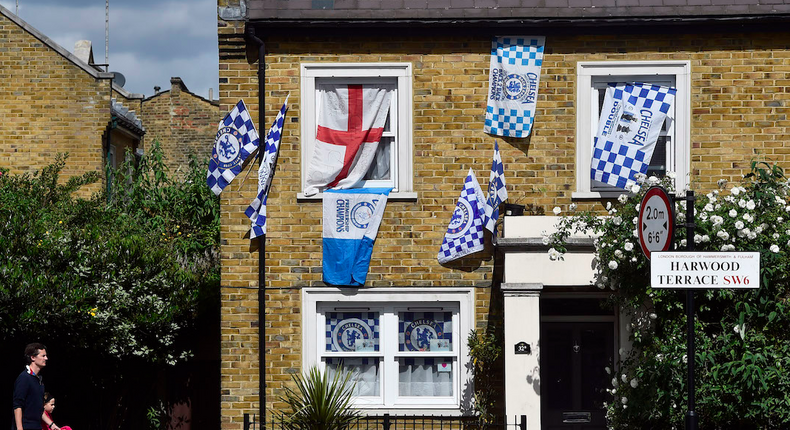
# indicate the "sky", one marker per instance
pixel 150 40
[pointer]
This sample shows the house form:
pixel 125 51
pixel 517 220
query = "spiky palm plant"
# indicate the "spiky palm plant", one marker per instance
pixel 320 402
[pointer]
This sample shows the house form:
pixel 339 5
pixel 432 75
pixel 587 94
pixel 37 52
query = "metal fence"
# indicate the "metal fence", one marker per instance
pixel 402 422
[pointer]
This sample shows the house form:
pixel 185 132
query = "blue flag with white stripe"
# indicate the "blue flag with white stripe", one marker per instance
pixel 497 191
pixel 236 139
pixel 631 119
pixel 465 233
pixel 351 223
pixel 257 209
pixel 513 82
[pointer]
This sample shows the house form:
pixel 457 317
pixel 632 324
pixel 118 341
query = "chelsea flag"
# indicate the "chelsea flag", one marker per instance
pixel 236 140
pixel 631 119
pixel 351 223
pixel 465 233
pixel 513 84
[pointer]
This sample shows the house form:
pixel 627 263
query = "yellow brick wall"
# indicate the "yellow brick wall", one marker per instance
pixel 48 105
pixel 183 123
pixel 739 107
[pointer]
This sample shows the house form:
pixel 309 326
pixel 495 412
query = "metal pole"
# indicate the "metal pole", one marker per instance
pixel 691 415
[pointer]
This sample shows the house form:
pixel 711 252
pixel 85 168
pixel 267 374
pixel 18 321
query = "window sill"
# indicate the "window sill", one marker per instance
pixel 596 195
pixel 393 197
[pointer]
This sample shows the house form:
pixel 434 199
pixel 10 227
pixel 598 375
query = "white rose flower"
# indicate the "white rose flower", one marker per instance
pixel 652 316
pixel 553 254
pixel 751 235
pixel 619 254
pixel 748 217
pixel 634 383
pixel 636 233
pixel 735 191
pixel 557 210
pixel 723 234
pixel 697 238
pixel 742 203
pixel 653 180
pixel 608 370
pixel 774 248
pixel 617 220
pixel 613 265
pixel 739 224
pixel 628 246
pixel 635 188
pixel 624 400
pixel 733 213
pixel 622 198
pixel 743 233
pixel 623 378
pixel 708 208
pixel 633 259
pixel 705 238
pixel 615 383
pixel 750 205
pixel 780 220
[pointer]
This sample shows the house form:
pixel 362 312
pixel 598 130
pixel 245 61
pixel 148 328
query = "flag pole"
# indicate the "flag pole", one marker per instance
pixel 261 238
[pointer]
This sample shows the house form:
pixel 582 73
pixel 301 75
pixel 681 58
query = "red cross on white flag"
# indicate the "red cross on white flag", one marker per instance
pixel 350 125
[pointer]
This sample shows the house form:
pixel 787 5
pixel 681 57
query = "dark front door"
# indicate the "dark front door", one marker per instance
pixel 573 379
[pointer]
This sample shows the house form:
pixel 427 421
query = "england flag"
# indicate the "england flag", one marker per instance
pixel 497 191
pixel 236 139
pixel 465 233
pixel 351 121
pixel 631 119
pixel 257 209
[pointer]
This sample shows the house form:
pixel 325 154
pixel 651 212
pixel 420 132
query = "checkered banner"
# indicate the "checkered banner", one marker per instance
pixel 513 84
pixel 465 233
pixel 268 159
pixel 497 191
pixel 631 119
pixel 236 140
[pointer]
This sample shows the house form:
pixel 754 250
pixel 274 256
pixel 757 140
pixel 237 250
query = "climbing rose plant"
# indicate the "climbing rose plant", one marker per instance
pixel 742 354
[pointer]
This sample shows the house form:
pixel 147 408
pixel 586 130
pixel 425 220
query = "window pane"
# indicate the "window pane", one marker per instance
pixel 352 331
pixel 380 168
pixel 425 377
pixel 425 331
pixel 364 374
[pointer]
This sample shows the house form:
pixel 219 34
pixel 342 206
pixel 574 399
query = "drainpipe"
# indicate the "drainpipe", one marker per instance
pixel 261 239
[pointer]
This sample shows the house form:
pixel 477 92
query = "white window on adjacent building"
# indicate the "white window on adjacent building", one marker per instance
pixel 404 348
pixel 392 166
pixel 673 149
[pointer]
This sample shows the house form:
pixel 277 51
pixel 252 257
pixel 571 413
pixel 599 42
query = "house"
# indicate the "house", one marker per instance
pixel 727 59
pixel 56 101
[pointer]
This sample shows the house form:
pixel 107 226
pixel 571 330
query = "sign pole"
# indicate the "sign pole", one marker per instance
pixel 691 415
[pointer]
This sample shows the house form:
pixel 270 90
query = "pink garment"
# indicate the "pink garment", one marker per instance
pixel 45 427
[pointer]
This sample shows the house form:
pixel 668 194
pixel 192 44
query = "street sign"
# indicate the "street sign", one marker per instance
pixel 656 221
pixel 694 269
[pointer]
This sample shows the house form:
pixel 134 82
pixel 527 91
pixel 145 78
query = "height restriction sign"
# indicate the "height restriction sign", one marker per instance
pixel 656 221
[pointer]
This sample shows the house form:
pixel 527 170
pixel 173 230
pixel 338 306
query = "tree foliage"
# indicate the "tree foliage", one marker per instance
pixel 742 354
pixel 118 277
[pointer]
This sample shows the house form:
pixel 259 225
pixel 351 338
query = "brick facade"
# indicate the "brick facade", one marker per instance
pixel 183 122
pixel 49 106
pixel 739 105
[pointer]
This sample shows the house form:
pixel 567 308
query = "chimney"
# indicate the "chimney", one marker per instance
pixel 210 94
pixel 84 51
pixel 156 89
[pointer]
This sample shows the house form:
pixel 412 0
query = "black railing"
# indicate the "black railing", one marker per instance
pixel 402 422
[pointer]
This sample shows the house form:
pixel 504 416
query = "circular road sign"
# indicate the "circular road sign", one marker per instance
pixel 656 221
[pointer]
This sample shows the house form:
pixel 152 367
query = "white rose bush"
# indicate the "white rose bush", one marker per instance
pixel 742 356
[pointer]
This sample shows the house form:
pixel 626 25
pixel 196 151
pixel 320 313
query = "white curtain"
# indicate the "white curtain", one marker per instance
pixel 365 377
pixel 380 169
pixel 420 379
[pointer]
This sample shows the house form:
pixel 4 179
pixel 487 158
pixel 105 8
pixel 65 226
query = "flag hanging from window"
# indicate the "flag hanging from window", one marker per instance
pixel 465 233
pixel 513 82
pixel 497 191
pixel 631 119
pixel 351 121
pixel 268 159
pixel 351 223
pixel 236 139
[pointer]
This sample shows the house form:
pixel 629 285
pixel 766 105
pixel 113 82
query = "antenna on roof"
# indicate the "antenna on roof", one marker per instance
pixel 17 8
pixel 106 35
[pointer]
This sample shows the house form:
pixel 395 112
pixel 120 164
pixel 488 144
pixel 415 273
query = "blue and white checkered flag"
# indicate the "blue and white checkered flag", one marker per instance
pixel 465 233
pixel 236 140
pixel 497 191
pixel 631 119
pixel 257 209
pixel 513 82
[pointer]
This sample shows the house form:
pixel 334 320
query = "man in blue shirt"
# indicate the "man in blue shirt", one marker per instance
pixel 29 391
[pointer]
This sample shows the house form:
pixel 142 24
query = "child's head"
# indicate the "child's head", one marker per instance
pixel 49 402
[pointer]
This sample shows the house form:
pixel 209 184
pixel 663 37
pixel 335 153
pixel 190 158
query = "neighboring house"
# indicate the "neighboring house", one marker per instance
pixel 54 101
pixel 183 122
pixel 728 60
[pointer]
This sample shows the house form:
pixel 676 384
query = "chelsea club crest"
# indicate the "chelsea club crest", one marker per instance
pixel 515 87
pixel 351 335
pixel 361 214
pixel 419 334
pixel 227 148
pixel 461 219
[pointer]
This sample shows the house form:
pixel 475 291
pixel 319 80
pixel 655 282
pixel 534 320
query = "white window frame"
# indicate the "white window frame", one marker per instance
pixel 401 114
pixel 586 124
pixel 391 301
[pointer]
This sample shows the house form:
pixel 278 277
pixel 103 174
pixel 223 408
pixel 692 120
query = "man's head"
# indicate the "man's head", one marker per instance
pixel 36 354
